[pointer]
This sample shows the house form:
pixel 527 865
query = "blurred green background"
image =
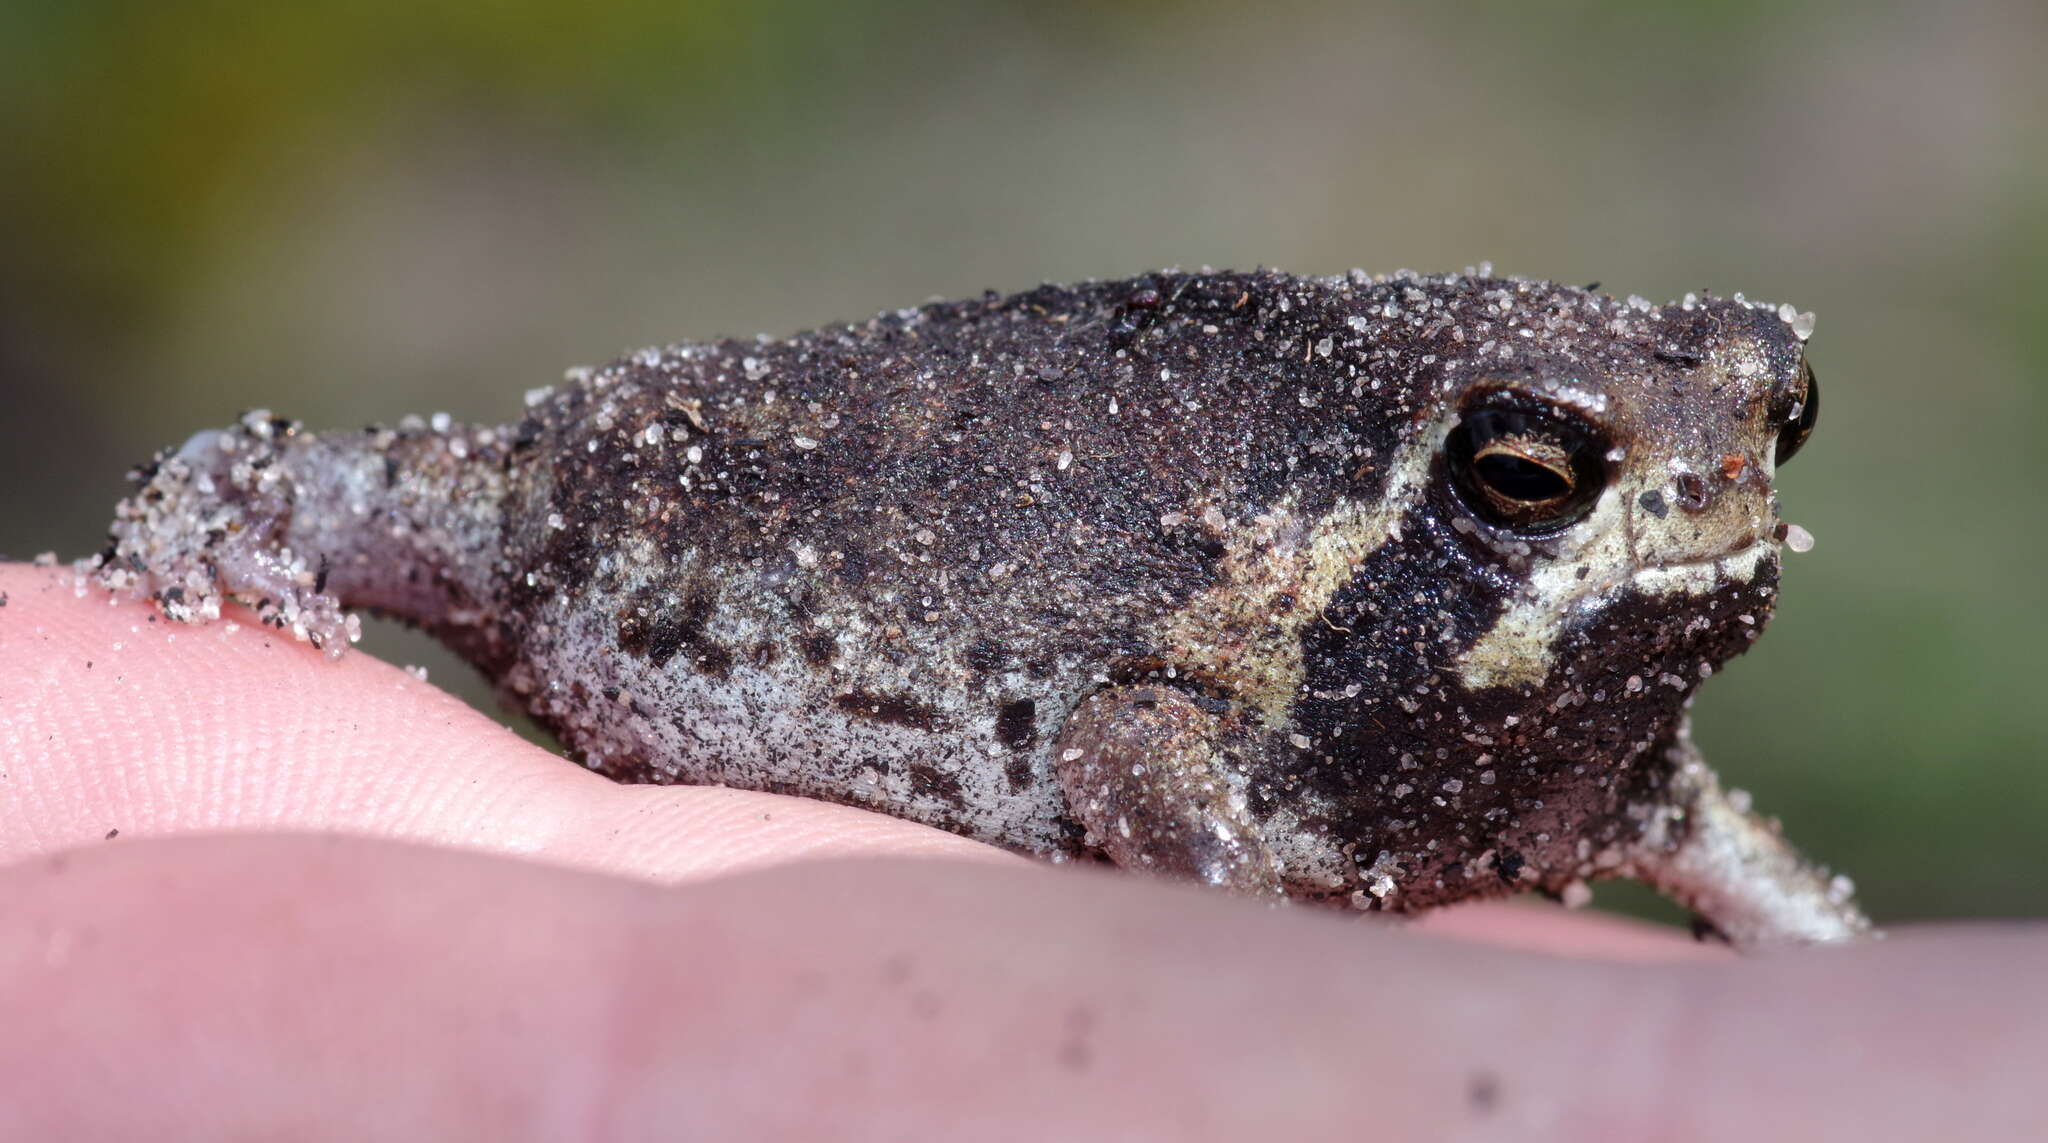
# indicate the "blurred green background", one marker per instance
pixel 346 212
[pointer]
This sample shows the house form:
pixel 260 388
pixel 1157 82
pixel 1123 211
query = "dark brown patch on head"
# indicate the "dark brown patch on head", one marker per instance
pixel 1016 723
pixel 889 708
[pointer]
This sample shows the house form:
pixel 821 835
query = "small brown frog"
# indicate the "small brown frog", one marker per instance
pixel 1385 592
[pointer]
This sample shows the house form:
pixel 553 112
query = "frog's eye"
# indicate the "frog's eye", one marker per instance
pixel 1533 472
pixel 1799 423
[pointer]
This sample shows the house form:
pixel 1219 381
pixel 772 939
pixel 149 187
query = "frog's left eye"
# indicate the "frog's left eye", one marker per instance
pixel 1529 471
pixel 1799 424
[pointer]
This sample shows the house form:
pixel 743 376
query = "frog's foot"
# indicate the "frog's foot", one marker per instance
pixel 1144 769
pixel 1710 853
pixel 206 525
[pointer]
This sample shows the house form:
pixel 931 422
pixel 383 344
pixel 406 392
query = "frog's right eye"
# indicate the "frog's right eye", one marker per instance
pixel 1532 472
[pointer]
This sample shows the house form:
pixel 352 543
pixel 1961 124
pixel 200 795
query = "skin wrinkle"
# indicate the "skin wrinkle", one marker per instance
pixel 622 1058
pixel 1651 1056
pixel 1628 531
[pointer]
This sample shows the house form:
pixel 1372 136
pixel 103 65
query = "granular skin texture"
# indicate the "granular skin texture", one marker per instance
pixel 1218 575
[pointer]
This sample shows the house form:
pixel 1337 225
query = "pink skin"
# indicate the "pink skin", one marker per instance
pixel 660 963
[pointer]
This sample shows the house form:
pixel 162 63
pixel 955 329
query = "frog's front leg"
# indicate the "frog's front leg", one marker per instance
pixel 1705 849
pixel 299 526
pixel 1149 772
pixel 209 522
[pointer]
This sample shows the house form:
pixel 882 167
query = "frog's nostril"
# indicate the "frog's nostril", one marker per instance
pixel 1693 494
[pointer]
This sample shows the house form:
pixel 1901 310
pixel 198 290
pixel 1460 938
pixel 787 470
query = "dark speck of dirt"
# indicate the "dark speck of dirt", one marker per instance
pixel 112 834
pixel 896 970
pixel 1509 866
pixel 1483 1092
pixel 1076 1052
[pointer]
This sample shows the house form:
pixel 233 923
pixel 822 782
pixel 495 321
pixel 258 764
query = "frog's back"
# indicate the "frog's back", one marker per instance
pixel 889 558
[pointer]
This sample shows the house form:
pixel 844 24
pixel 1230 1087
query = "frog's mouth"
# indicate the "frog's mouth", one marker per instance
pixel 1698 576
pixel 1520 648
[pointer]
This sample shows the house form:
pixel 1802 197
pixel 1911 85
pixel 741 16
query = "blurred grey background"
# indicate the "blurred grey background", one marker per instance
pixel 349 211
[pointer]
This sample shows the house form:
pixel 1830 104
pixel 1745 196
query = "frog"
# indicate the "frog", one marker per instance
pixel 1382 592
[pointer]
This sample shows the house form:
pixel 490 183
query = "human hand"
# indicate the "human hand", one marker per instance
pixel 559 955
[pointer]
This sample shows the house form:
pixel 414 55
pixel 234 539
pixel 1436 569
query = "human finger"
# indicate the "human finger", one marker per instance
pixel 342 988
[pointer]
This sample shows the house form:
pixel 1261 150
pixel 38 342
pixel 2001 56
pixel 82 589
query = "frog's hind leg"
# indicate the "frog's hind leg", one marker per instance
pixel 1147 771
pixel 1705 849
